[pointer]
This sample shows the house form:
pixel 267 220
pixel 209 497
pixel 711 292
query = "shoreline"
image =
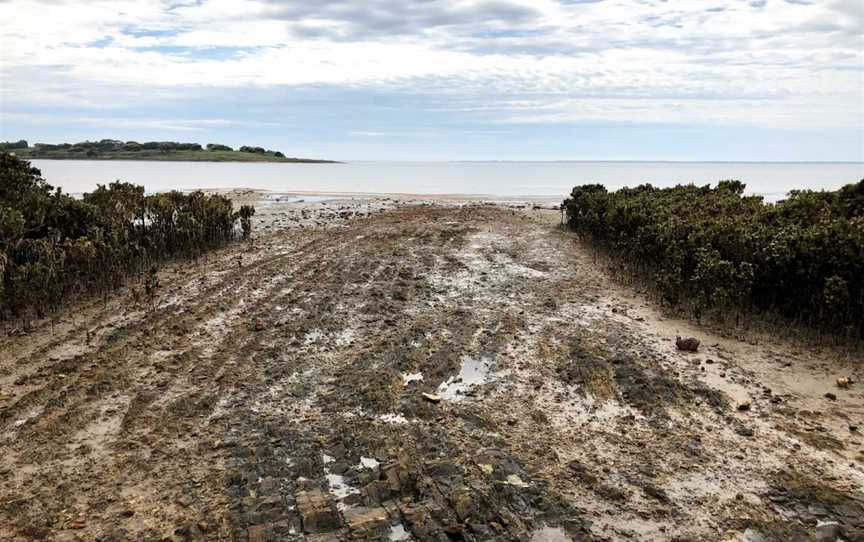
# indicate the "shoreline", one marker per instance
pixel 29 157
pixel 274 195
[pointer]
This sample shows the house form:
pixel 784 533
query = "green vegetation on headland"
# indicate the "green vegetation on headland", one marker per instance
pixel 111 149
pixel 717 251
pixel 55 248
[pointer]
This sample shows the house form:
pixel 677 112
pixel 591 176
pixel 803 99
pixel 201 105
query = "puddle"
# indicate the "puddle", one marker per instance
pixel 411 377
pixel 339 488
pixel 550 534
pixel 474 372
pixel 336 483
pixel 398 533
pixel 369 463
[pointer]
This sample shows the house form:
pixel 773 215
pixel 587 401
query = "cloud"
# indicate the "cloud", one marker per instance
pixel 346 19
pixel 771 63
pixel 174 124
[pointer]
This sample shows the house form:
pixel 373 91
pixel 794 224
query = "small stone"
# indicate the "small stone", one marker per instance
pixel 690 344
pixel 744 406
pixel 745 431
pixel 830 396
pixel 431 397
pixel 843 382
pixel 259 325
pixel 515 480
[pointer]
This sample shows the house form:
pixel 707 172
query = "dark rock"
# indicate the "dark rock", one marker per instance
pixel 689 344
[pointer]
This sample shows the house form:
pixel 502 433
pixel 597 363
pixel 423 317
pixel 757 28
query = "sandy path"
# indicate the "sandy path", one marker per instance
pixel 277 392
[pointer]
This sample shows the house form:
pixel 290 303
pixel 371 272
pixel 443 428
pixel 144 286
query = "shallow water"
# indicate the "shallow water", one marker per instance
pixel 472 373
pixel 550 534
pixel 398 533
pixel 556 179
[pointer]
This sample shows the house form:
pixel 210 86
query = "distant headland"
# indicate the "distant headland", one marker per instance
pixel 112 149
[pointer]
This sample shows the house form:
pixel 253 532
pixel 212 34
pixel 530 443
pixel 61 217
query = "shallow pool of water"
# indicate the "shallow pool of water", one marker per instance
pixel 473 372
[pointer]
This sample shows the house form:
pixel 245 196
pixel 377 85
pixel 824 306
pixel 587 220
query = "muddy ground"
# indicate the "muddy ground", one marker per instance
pixel 388 369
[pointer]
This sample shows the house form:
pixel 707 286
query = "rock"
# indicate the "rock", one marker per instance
pixel 744 406
pixel 830 396
pixel 515 480
pixel 431 397
pixel 830 531
pixel 462 503
pixel 844 382
pixel 656 493
pixel 745 431
pixel 689 344
pixel 260 533
pixel 259 325
pixel 317 511
pixel 367 523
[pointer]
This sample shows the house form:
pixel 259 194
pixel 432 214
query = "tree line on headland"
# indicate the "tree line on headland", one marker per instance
pixel 108 149
pixel 716 251
pixel 55 248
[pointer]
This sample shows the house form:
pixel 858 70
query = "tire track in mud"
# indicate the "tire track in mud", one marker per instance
pixel 551 413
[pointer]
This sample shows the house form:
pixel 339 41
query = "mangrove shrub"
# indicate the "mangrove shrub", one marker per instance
pixel 55 248
pixel 716 249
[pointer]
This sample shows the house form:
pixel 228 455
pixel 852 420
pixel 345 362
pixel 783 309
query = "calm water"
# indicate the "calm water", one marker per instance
pixel 492 178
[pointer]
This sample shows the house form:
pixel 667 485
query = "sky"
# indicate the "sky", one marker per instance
pixel 751 80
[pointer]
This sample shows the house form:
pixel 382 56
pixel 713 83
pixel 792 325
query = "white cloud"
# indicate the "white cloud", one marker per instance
pixel 179 125
pixel 778 65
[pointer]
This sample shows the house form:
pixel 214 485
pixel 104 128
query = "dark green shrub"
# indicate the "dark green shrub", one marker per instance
pixel 246 212
pixel 715 249
pixel 54 248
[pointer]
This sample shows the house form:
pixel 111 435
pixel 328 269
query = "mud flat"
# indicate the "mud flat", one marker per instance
pixel 396 368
